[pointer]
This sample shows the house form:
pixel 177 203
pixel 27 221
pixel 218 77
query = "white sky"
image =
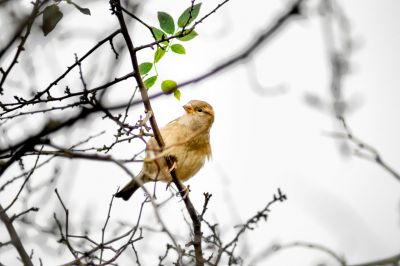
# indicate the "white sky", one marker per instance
pixel 261 143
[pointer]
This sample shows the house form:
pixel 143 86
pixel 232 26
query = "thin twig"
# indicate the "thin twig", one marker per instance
pixel 25 181
pixel 47 90
pixel 104 228
pixel 31 19
pixel 366 151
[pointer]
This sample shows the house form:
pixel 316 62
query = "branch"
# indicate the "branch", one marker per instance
pixel 246 52
pixel 116 7
pixel 21 48
pixel 103 230
pixel 263 214
pixel 365 150
pixel 251 48
pixel 16 241
pixel 24 183
pixel 47 90
pixel 394 260
pixel 297 244
pixel 50 127
pixel 71 94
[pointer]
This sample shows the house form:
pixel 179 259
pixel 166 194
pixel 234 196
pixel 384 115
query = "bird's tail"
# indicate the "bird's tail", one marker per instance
pixel 126 192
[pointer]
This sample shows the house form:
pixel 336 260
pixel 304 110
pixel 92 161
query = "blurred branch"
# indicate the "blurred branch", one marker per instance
pixel 15 240
pixel 10 181
pixel 394 260
pixel 18 30
pixel 16 216
pixel 67 153
pixel 24 183
pixel 62 76
pixel 291 11
pixel 17 150
pixel 28 24
pixel 269 251
pixel 69 94
pixel 339 47
pixel 313 246
pixel 366 151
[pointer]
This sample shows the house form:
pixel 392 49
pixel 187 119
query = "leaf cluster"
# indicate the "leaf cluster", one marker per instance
pixel 168 31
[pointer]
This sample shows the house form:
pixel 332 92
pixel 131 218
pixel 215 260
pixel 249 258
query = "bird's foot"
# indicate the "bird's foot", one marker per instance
pixel 185 191
pixel 173 166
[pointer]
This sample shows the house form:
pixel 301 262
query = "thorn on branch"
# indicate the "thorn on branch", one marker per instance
pixel 113 49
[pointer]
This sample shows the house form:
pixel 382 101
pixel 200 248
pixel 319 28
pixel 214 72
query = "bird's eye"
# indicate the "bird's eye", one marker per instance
pixel 199 110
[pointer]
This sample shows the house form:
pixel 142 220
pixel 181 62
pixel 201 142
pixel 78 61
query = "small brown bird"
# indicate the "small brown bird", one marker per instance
pixel 187 140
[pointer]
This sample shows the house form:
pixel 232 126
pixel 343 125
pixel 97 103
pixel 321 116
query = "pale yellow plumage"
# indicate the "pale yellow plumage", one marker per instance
pixel 186 138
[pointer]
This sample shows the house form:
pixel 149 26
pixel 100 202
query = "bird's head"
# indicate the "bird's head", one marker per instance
pixel 200 111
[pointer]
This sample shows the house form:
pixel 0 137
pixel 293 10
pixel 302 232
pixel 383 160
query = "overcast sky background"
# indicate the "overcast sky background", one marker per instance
pixel 260 142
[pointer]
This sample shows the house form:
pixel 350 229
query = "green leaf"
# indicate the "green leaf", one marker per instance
pixel 166 22
pixel 158 34
pixel 148 83
pixel 159 54
pixel 145 67
pixel 189 15
pixel 177 94
pixel 178 48
pixel 51 16
pixel 168 86
pixel 188 35
pixel 83 10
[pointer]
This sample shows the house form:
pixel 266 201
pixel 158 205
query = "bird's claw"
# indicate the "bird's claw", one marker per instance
pixel 173 166
pixel 185 191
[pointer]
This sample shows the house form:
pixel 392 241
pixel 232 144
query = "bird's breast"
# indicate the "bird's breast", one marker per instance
pixel 189 163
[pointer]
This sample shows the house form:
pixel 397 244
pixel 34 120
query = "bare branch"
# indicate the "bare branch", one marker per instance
pixel 116 6
pixel 30 20
pixel 393 260
pixel 16 241
pixel 366 151
pixel 297 244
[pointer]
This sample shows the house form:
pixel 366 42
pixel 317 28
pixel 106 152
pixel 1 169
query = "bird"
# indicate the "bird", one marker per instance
pixel 187 141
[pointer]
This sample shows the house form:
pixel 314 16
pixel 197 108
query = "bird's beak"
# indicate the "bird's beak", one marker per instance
pixel 188 108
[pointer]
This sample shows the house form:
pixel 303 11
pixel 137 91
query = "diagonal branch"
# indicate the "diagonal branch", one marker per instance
pixel 116 7
pixel 15 240
pixel 394 260
pixel 366 151
pixel 21 48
